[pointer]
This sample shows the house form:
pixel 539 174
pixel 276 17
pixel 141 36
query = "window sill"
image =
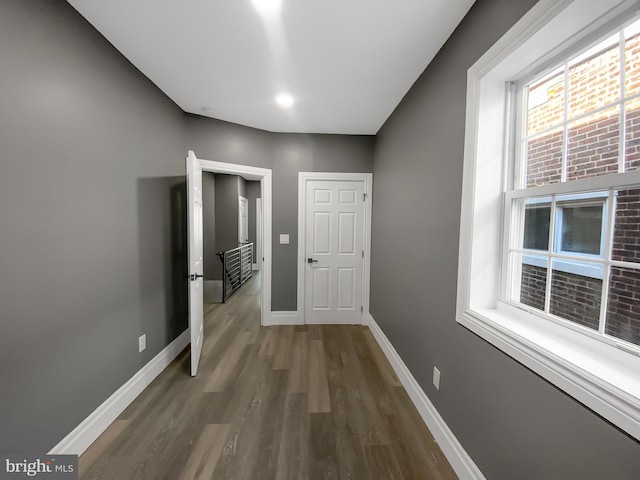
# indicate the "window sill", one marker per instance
pixel 600 376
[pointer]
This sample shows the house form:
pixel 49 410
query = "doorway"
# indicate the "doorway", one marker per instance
pixel 334 231
pixel 264 176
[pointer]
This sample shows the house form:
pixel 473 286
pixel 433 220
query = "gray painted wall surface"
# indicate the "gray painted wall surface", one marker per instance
pixel 514 424
pixel 226 212
pixel 253 192
pixel 221 219
pixel 286 154
pixel 211 261
pixel 92 208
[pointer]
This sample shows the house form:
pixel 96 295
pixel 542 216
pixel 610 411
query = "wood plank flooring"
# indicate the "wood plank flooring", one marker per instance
pixel 282 403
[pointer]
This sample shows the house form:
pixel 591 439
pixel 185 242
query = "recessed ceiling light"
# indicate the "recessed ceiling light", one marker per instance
pixel 284 100
pixel 267 5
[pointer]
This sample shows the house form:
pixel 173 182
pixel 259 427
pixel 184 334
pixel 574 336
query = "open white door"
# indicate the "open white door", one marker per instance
pixel 194 200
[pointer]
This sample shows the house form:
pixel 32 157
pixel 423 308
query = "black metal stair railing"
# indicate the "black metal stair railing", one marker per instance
pixel 236 268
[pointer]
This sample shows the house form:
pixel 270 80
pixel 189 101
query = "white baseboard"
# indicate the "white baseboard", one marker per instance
pixel 254 266
pixel 461 462
pixel 97 422
pixel 284 318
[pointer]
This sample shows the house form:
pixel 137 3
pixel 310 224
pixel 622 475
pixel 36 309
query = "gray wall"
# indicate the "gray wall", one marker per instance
pixel 92 214
pixel 210 259
pixel 286 154
pixel 226 212
pixel 253 192
pixel 514 424
pixel 220 217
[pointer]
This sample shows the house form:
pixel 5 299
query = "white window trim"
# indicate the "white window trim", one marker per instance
pixel 558 237
pixel 591 270
pixel 603 377
pixel 540 258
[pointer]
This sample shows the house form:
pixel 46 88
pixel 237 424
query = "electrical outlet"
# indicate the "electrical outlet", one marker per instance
pixel 436 378
pixel 142 342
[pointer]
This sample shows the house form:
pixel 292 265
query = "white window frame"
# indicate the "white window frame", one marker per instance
pixel 602 376
pixel 558 234
pixel 539 258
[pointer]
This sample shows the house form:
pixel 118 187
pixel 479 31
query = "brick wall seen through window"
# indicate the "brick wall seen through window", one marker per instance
pixel 583 120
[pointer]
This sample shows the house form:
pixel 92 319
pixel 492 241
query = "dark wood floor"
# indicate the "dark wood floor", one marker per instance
pixel 294 402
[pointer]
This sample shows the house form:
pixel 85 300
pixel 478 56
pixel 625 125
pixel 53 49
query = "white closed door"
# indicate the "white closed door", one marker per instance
pixel 194 201
pixel 334 246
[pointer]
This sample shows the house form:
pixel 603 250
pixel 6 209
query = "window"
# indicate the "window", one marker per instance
pixel 536 225
pixel 581 229
pixel 578 235
pixel 579 121
pixel 549 266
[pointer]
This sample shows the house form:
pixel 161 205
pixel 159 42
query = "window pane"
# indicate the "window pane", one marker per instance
pixel 536 227
pixel 626 236
pixel 545 102
pixel 533 279
pixel 581 229
pixel 623 309
pixel 632 58
pixel 575 297
pixel 544 158
pixel 594 78
pixel 632 140
pixel 593 145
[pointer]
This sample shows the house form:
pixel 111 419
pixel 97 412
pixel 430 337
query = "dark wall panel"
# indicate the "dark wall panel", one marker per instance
pixel 211 261
pixel 226 212
pixel 253 192
pixel 220 141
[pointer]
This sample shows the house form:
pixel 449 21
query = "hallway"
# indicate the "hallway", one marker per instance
pixel 285 402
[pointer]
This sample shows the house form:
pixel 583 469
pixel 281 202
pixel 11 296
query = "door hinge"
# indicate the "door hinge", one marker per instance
pixel 362 253
pixel 361 309
pixel 364 197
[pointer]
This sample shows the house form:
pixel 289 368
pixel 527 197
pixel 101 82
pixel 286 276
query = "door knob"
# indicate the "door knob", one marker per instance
pixel 312 260
pixel 195 277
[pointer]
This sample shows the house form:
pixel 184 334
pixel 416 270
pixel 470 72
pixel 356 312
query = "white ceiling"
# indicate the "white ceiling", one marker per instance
pixel 347 63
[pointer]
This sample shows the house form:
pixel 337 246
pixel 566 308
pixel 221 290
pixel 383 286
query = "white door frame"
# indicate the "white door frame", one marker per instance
pixel 258 248
pixel 264 175
pixel 303 179
pixel 243 238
